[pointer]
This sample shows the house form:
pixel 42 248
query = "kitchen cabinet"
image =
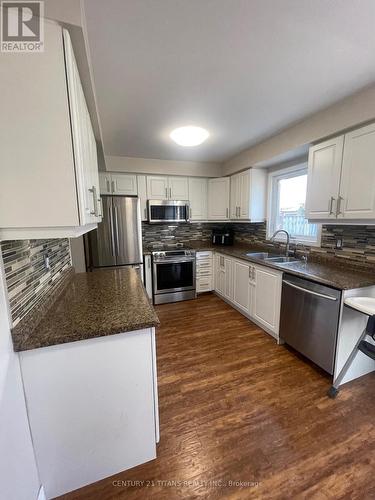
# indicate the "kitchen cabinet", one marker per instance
pixel 357 186
pixel 49 179
pixel 167 188
pixel 198 192
pixel 219 284
pixel 241 287
pixel 218 198
pixel 92 407
pixel 204 271
pixel 323 179
pixel 341 177
pixel 142 195
pixel 118 183
pixel 248 191
pixel 267 298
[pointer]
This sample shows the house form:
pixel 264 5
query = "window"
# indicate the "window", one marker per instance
pixel 287 197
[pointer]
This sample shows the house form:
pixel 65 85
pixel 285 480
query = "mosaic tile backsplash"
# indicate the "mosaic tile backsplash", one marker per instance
pixel 358 241
pixel 27 278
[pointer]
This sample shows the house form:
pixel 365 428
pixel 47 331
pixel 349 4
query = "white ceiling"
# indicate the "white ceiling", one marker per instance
pixel 243 69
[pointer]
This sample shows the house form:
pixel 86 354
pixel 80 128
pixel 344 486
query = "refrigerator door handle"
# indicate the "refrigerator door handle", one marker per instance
pixel 111 229
pixel 117 234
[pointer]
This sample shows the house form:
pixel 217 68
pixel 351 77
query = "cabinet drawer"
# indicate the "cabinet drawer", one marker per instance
pixel 204 265
pixel 204 273
pixel 204 284
pixel 204 255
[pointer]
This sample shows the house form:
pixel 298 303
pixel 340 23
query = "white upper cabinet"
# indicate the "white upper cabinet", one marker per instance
pixel 341 177
pixel 49 176
pixel 198 192
pixel 157 187
pixel 357 190
pixel 178 188
pixel 167 188
pixel 218 198
pixel 248 195
pixel 323 179
pixel 142 194
pixel 118 183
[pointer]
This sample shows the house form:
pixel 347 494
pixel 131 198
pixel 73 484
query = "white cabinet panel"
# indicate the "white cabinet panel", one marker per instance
pixel 148 275
pixel 241 289
pixel 105 183
pixel 219 274
pixel 218 198
pixel 124 184
pixel 198 193
pixel 142 195
pixel 357 189
pixel 178 188
pixel 323 179
pixel 248 195
pixel 157 187
pixel 267 298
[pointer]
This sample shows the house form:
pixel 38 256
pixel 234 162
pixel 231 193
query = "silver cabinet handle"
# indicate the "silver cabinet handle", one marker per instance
pixel 170 193
pixel 330 205
pixel 108 185
pixel 322 295
pixel 113 187
pixel 338 209
pixel 227 210
pixel 166 193
pixel 250 272
pixel 95 198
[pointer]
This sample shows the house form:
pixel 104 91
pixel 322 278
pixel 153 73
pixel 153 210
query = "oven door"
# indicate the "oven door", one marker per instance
pixel 168 211
pixel 174 276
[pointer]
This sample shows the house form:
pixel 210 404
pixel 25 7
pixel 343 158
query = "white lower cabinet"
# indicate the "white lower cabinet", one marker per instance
pixel 252 289
pixel 267 298
pixel 204 272
pixel 92 407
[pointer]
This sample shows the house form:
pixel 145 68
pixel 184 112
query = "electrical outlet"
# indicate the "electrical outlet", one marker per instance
pixel 338 242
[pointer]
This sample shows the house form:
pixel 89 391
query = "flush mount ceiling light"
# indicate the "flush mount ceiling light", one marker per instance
pixel 189 136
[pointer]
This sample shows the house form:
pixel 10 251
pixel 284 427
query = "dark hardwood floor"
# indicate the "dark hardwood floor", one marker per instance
pixel 234 406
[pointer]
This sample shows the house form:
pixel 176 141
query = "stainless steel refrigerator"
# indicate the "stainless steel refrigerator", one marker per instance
pixel 118 239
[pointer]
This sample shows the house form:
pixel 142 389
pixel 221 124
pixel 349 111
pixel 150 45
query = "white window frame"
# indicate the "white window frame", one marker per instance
pixel 273 177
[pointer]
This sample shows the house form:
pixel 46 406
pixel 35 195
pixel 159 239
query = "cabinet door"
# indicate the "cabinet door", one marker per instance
pixel 178 188
pixel 142 195
pixel 357 189
pixel 157 187
pixel 124 184
pixel 218 198
pixel 324 178
pixel 228 278
pixel 105 183
pixel 267 298
pixel 234 196
pixel 244 194
pixel 241 289
pixel 198 198
pixel 219 274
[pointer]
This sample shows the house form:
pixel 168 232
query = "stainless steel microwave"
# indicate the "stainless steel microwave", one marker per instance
pixel 161 211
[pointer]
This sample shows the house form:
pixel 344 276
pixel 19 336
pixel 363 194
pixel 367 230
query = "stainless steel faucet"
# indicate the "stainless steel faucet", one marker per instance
pixel 287 239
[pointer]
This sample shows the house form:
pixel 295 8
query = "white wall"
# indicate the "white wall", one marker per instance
pixel 347 113
pixel 166 167
pixel 18 473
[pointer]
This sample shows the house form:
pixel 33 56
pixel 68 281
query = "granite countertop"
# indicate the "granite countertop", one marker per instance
pixel 325 270
pixel 93 304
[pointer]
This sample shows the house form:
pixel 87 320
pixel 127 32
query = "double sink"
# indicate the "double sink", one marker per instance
pixel 271 258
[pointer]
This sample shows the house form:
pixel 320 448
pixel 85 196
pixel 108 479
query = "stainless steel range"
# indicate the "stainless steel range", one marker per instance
pixel 173 274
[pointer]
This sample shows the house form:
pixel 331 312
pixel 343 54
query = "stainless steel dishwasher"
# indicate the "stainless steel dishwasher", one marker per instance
pixel 309 319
